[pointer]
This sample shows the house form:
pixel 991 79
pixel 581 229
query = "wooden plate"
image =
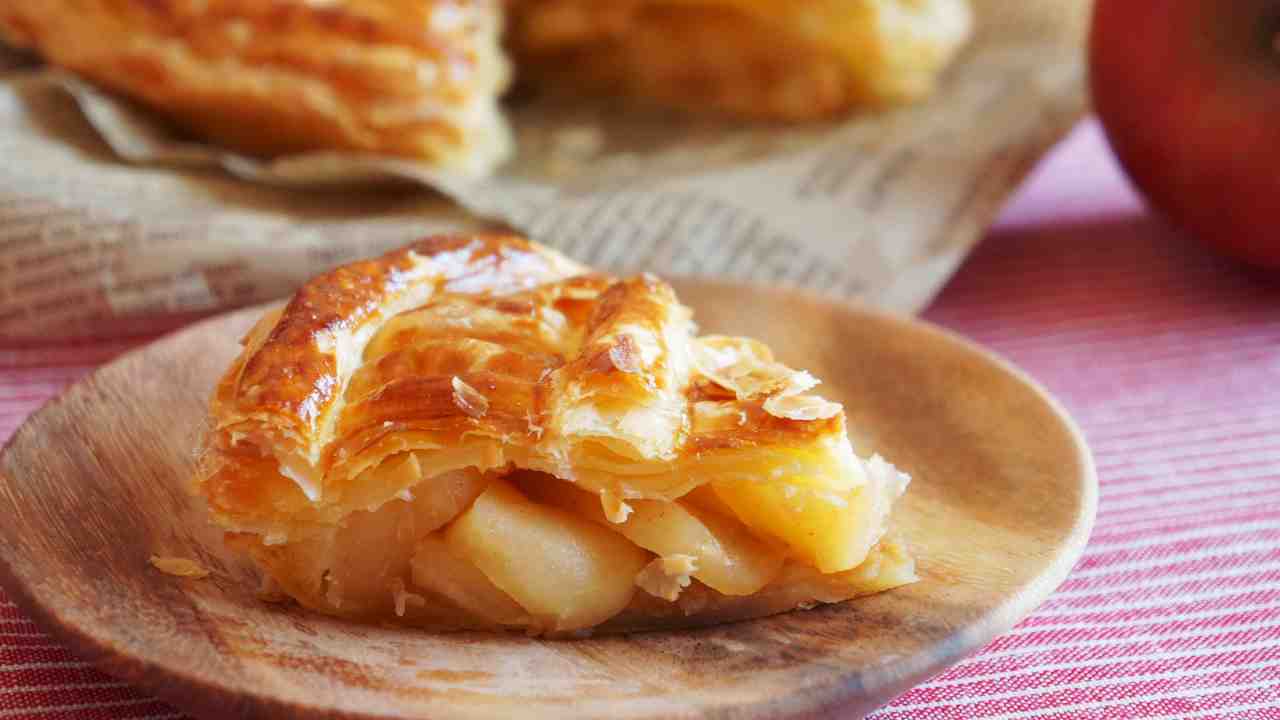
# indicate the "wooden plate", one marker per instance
pixel 1000 509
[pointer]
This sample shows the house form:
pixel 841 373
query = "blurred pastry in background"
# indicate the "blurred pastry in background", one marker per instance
pixel 415 78
pixel 789 60
pixel 478 432
pixel 422 78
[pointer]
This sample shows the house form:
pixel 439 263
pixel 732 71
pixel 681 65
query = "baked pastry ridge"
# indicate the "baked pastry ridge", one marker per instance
pixel 478 432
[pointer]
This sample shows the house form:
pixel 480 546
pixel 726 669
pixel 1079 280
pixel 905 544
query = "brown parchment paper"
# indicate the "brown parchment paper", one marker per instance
pixel 109 222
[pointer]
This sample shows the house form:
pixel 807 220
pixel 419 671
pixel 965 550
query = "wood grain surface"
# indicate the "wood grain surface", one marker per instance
pixel 1001 506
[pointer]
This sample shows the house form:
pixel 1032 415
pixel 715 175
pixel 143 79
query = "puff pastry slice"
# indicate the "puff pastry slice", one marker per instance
pixel 478 432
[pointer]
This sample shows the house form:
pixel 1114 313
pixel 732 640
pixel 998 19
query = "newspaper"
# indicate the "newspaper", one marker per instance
pixel 108 223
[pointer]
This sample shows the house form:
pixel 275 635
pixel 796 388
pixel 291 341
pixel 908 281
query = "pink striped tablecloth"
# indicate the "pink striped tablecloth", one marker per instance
pixel 1170 359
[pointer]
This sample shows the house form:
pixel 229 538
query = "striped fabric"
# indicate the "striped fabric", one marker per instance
pixel 1170 359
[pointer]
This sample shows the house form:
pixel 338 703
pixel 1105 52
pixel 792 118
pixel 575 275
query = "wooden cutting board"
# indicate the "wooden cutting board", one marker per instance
pixel 1001 506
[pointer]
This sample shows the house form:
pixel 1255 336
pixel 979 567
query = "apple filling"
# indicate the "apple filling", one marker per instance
pixel 525 550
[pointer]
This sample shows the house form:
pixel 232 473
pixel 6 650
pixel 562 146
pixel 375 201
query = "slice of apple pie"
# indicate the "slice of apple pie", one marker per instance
pixel 476 432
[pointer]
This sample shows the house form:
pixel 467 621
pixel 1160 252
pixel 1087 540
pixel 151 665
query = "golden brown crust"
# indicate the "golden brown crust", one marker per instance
pixel 610 360
pixel 418 78
pixel 294 377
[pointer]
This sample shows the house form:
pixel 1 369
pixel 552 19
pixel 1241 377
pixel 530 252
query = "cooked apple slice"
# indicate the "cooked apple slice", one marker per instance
pixel 371 550
pixel 887 566
pixel 729 559
pixel 355 564
pixel 704 498
pixel 352 569
pixel 567 572
pixel 438 569
pixel 833 531
pixel 438 500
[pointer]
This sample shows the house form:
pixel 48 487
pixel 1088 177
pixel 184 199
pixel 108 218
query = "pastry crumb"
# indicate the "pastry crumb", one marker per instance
pixel 625 355
pixel 801 407
pixel 577 292
pixel 332 590
pixel 535 429
pixel 179 567
pixel 747 368
pixel 615 508
pixel 666 577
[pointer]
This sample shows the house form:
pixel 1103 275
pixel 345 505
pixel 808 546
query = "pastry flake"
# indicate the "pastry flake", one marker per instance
pixel 667 577
pixel 476 432
pixel 179 567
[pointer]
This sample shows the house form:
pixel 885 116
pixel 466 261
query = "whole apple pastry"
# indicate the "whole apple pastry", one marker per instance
pixel 476 432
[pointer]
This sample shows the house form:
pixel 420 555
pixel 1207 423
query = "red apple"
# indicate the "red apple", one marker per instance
pixel 1189 94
